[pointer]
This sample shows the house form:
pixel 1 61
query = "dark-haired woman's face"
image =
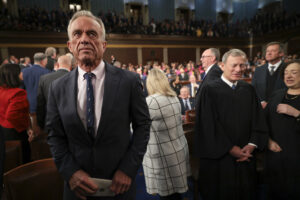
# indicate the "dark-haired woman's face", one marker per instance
pixel 292 76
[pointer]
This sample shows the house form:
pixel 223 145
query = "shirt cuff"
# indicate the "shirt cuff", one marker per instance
pixel 252 144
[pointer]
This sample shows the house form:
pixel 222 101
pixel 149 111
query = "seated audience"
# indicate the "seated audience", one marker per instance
pixel 186 102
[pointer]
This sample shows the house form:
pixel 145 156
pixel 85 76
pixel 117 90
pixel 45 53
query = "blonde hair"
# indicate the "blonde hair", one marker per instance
pixel 157 82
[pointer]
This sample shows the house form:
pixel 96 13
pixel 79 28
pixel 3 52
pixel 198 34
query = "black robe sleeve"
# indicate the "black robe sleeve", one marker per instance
pixel 212 141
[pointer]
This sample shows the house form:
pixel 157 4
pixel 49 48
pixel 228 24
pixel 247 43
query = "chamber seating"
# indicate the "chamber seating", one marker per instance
pixel 34 181
pixel 13 154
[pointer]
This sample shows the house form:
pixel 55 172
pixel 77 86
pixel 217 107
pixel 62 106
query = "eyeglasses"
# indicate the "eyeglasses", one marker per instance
pixel 205 56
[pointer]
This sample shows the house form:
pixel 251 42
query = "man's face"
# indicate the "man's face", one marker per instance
pixel 192 79
pixel 207 59
pixel 292 76
pixel 273 53
pixel 43 62
pixel 234 68
pixel 86 42
pixel 184 93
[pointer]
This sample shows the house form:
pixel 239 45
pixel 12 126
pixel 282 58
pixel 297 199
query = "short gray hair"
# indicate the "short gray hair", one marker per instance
pixel 50 51
pixel 233 53
pixel 38 57
pixel 216 53
pixel 281 49
pixel 86 13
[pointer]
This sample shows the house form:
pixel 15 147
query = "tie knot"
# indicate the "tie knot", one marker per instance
pixel 233 86
pixel 88 76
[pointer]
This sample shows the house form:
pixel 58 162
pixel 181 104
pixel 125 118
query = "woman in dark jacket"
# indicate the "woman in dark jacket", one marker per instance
pixel 283 114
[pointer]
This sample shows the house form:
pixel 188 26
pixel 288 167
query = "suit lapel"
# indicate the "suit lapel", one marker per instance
pixel 263 79
pixel 111 85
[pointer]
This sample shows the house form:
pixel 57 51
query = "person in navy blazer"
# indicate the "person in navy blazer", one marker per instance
pixel 113 152
pixel 264 83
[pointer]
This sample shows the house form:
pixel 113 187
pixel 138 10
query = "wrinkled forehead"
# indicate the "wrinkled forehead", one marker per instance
pixel 293 66
pixel 84 23
pixel 273 47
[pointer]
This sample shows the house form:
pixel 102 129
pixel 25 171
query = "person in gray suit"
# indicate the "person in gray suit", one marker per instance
pixel 89 114
pixel 64 66
pixel 266 79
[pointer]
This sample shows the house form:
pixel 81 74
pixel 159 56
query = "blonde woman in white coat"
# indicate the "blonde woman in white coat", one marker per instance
pixel 166 162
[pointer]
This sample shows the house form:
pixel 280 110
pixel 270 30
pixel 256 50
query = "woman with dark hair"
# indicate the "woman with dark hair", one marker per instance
pixel 14 108
pixel 282 157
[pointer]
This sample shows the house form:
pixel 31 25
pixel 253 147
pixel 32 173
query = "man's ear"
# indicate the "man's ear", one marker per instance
pixel 222 66
pixel 69 46
pixel 104 44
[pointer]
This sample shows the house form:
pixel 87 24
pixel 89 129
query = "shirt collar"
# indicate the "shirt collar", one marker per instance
pixel 228 82
pixel 207 70
pixel 98 71
pixel 276 65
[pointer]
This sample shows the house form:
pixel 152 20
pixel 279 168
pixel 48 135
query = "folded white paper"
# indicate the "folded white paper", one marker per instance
pixel 104 185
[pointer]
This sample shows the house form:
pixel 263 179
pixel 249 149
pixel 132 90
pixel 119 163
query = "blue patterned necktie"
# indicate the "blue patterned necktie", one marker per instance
pixel 90 104
pixel 233 86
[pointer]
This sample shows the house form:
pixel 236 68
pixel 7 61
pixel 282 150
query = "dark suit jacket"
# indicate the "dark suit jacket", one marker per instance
pixel 259 81
pixel 50 63
pixel 31 77
pixel 214 73
pixel 184 78
pixel 190 88
pixel 42 94
pixel 114 148
pixel 192 102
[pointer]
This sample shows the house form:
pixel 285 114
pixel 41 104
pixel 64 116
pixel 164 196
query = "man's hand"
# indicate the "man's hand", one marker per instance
pixel 264 104
pixel 248 149
pixel 288 110
pixel 273 146
pixel 82 185
pixel 241 155
pixel 120 183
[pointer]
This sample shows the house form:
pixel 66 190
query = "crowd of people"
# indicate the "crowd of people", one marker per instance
pixel 104 121
pixel 37 19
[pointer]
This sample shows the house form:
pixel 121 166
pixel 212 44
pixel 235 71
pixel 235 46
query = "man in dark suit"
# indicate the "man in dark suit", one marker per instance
pixel 64 66
pixel 193 86
pixel 210 58
pixel 212 71
pixel 89 113
pixel 31 77
pixel 186 102
pixel 266 79
pixel 51 56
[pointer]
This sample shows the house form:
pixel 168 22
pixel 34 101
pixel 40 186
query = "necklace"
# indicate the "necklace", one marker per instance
pixel 291 98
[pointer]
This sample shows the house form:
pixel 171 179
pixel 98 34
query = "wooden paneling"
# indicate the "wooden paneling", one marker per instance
pixel 22 52
pixel 181 55
pixel 123 55
pixel 152 55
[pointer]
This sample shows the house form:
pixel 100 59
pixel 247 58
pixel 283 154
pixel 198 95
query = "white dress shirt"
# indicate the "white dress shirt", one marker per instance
pixel 276 65
pixel 98 87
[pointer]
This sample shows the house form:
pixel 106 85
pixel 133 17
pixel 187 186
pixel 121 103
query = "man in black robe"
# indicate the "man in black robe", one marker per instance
pixel 231 126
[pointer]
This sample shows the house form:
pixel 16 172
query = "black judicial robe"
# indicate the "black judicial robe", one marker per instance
pixel 228 117
pixel 283 168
